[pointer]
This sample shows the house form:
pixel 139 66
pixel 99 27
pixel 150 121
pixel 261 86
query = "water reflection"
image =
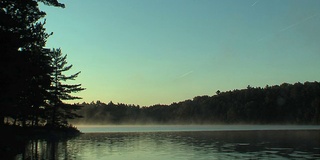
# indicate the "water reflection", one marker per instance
pixel 180 145
pixel 45 149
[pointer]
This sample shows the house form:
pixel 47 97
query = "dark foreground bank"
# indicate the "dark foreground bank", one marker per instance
pixel 14 138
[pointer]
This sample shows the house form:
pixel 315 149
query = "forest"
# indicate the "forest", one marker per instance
pixel 297 103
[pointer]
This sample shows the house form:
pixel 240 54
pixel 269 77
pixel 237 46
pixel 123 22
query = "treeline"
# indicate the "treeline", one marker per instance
pixel 285 104
pixel 32 79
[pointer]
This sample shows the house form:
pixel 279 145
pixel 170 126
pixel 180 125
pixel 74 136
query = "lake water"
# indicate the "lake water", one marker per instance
pixel 170 142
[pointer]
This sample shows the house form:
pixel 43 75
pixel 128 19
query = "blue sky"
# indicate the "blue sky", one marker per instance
pixel 162 51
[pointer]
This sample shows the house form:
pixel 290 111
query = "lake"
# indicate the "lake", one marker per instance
pixel 159 142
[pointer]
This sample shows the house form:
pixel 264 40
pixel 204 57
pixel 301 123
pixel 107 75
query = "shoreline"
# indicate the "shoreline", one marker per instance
pixel 14 138
pixel 193 128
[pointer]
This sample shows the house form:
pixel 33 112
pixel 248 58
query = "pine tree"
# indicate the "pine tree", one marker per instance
pixel 22 39
pixel 24 62
pixel 60 91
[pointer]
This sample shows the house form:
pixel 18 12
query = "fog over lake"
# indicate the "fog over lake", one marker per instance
pixel 180 128
pixel 157 142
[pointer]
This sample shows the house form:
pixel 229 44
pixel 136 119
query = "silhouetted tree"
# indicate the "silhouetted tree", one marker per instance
pixel 60 111
pixel 23 59
pixel 52 3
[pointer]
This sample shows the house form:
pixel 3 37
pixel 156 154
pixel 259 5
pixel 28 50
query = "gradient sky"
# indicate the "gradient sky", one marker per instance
pixel 149 52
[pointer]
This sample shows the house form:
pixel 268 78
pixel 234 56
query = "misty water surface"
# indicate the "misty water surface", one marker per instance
pixel 182 142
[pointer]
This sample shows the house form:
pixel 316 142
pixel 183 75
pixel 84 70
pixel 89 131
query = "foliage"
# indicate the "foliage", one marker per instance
pixel 60 111
pixel 288 103
pixel 24 61
pixel 26 66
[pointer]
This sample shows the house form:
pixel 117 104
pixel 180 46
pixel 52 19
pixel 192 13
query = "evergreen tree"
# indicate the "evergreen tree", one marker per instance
pixel 24 63
pixel 52 3
pixel 60 91
pixel 22 37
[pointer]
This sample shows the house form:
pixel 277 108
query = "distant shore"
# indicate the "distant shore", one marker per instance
pixel 194 128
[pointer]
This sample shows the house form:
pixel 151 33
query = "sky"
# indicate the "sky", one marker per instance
pixel 147 52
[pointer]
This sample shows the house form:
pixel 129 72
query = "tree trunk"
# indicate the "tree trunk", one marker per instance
pixel 1 120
